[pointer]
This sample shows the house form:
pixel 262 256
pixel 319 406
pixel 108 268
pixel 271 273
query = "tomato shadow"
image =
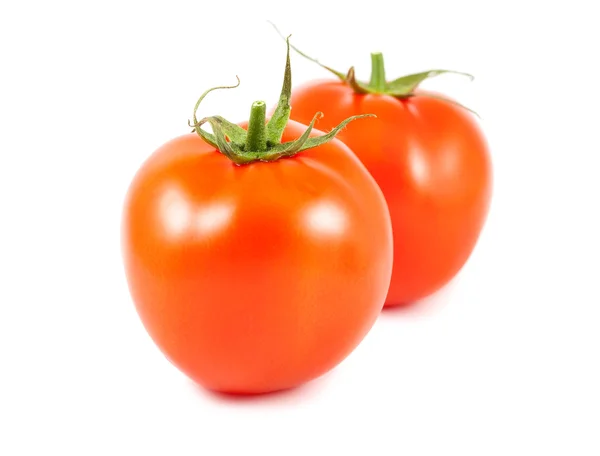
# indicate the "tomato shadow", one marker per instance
pixel 293 395
pixel 426 306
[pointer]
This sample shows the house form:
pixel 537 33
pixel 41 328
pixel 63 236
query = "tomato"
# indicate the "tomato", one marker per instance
pixel 258 277
pixel 430 159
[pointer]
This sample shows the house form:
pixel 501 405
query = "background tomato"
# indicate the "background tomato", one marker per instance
pixel 432 163
pixel 259 277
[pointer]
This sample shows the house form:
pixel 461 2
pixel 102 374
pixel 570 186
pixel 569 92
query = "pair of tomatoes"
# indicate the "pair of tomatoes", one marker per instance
pixel 259 257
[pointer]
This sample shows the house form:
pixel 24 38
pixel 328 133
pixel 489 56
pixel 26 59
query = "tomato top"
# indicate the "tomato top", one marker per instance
pixel 402 87
pixel 262 140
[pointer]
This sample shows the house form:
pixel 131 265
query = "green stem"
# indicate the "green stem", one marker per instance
pixel 256 141
pixel 377 72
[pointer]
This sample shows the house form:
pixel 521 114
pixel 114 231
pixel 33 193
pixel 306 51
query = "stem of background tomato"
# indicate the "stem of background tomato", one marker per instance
pixel 377 72
pixel 256 141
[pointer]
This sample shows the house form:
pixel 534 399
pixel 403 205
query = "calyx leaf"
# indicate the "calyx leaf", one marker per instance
pixel 406 85
pixel 280 117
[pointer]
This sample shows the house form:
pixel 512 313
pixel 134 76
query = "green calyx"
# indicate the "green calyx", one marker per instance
pixel 262 140
pixel 403 87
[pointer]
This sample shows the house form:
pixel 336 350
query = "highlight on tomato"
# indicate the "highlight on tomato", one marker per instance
pixel 258 256
pixel 428 155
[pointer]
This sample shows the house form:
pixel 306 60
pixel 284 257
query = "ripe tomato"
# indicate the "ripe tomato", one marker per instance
pixel 431 161
pixel 258 277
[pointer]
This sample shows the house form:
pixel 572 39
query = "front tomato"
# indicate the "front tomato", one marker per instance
pixel 258 277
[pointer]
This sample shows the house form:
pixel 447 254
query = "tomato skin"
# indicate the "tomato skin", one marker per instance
pixel 433 165
pixel 260 277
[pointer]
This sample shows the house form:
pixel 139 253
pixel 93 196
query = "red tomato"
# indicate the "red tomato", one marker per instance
pixel 259 277
pixel 432 163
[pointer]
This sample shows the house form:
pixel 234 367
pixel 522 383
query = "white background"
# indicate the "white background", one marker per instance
pixel 504 361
